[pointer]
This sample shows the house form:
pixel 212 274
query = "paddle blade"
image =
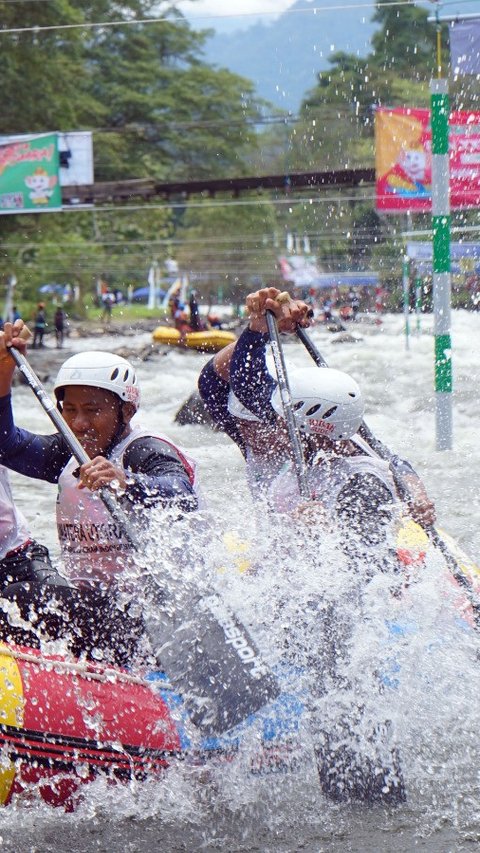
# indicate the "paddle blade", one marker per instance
pixel 212 661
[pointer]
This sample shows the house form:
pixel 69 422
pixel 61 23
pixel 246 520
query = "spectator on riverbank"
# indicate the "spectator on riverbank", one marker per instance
pixel 108 299
pixel 59 322
pixel 40 324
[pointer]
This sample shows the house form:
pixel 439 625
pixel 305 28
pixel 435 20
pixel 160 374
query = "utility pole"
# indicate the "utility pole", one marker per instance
pixel 441 216
pixel 406 299
pixel 440 111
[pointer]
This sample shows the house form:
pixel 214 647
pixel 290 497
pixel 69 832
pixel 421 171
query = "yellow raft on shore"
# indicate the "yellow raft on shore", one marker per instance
pixel 209 340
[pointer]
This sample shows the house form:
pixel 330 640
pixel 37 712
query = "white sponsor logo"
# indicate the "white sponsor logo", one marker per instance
pixel 237 640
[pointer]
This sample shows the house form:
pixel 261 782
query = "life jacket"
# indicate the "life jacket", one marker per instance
pixel 94 546
pixel 327 479
pixel 13 526
pixel 261 472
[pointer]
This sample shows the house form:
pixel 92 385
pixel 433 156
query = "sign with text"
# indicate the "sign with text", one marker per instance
pixel 403 160
pixel 29 175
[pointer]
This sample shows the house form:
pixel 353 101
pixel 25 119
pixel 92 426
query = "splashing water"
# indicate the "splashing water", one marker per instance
pixel 397 662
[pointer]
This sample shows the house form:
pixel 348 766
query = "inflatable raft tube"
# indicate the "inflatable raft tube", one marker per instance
pixel 210 340
pixel 62 723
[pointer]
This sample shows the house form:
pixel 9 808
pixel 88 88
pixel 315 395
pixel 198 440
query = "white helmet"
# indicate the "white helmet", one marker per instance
pixel 326 402
pixel 238 410
pixel 100 370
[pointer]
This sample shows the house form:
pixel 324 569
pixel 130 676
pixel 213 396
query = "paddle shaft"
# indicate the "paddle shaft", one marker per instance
pixel 207 651
pixel 385 453
pixel 286 398
pixel 311 348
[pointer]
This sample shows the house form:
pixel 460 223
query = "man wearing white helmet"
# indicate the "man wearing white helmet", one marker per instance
pixel 352 493
pixel 244 400
pixel 328 409
pixel 98 395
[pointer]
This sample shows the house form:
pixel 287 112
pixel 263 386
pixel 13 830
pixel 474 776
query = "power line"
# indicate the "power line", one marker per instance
pixel 360 234
pixel 226 203
pixel 164 19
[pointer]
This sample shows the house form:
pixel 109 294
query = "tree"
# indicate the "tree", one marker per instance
pixel 168 114
pixel 155 108
pixel 228 248
pixel 406 42
pixel 45 83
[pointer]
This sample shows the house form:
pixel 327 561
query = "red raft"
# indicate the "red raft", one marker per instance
pixel 62 723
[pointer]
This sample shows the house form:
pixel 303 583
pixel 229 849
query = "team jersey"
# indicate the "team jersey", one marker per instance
pixel 95 547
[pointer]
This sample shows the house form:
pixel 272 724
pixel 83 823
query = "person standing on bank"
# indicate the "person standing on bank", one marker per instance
pixel 59 323
pixel 98 394
pixel 40 324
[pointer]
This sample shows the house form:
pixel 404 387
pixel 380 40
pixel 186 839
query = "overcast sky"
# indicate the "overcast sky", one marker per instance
pixel 246 10
pixel 213 13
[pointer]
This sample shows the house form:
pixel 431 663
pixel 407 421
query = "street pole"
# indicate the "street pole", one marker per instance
pixel 406 299
pixel 440 110
pixel 152 286
pixel 441 239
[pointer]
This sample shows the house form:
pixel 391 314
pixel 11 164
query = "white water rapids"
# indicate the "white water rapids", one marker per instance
pixel 436 708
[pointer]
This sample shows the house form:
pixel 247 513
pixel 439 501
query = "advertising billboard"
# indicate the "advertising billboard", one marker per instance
pixel 29 175
pixel 403 160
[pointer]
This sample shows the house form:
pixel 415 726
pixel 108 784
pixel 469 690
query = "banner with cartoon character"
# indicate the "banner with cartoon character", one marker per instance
pixel 29 175
pixel 403 160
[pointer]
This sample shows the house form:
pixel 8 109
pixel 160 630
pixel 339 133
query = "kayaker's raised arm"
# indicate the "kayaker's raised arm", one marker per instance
pixel 250 380
pixel 214 388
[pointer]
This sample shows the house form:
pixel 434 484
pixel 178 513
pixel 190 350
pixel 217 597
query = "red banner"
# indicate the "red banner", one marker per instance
pixel 403 160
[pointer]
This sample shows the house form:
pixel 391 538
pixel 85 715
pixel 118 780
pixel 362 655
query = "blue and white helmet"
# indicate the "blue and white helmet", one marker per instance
pixel 326 402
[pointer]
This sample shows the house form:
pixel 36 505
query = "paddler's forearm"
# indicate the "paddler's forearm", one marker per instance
pixel 169 491
pixel 250 379
pixel 214 391
pixel 13 334
pixel 7 369
pixel 38 456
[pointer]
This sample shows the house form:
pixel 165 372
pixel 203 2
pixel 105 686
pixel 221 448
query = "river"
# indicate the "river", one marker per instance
pixel 437 710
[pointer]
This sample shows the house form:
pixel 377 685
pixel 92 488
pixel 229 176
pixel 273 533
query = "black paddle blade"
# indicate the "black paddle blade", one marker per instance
pixel 212 661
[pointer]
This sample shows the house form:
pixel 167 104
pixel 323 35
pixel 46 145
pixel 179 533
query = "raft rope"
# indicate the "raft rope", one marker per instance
pixel 82 669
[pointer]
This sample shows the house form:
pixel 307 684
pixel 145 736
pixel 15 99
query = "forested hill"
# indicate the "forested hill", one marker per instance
pixel 158 110
pixel 284 57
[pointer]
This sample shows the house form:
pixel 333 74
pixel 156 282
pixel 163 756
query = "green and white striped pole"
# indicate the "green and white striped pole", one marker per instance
pixel 440 110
